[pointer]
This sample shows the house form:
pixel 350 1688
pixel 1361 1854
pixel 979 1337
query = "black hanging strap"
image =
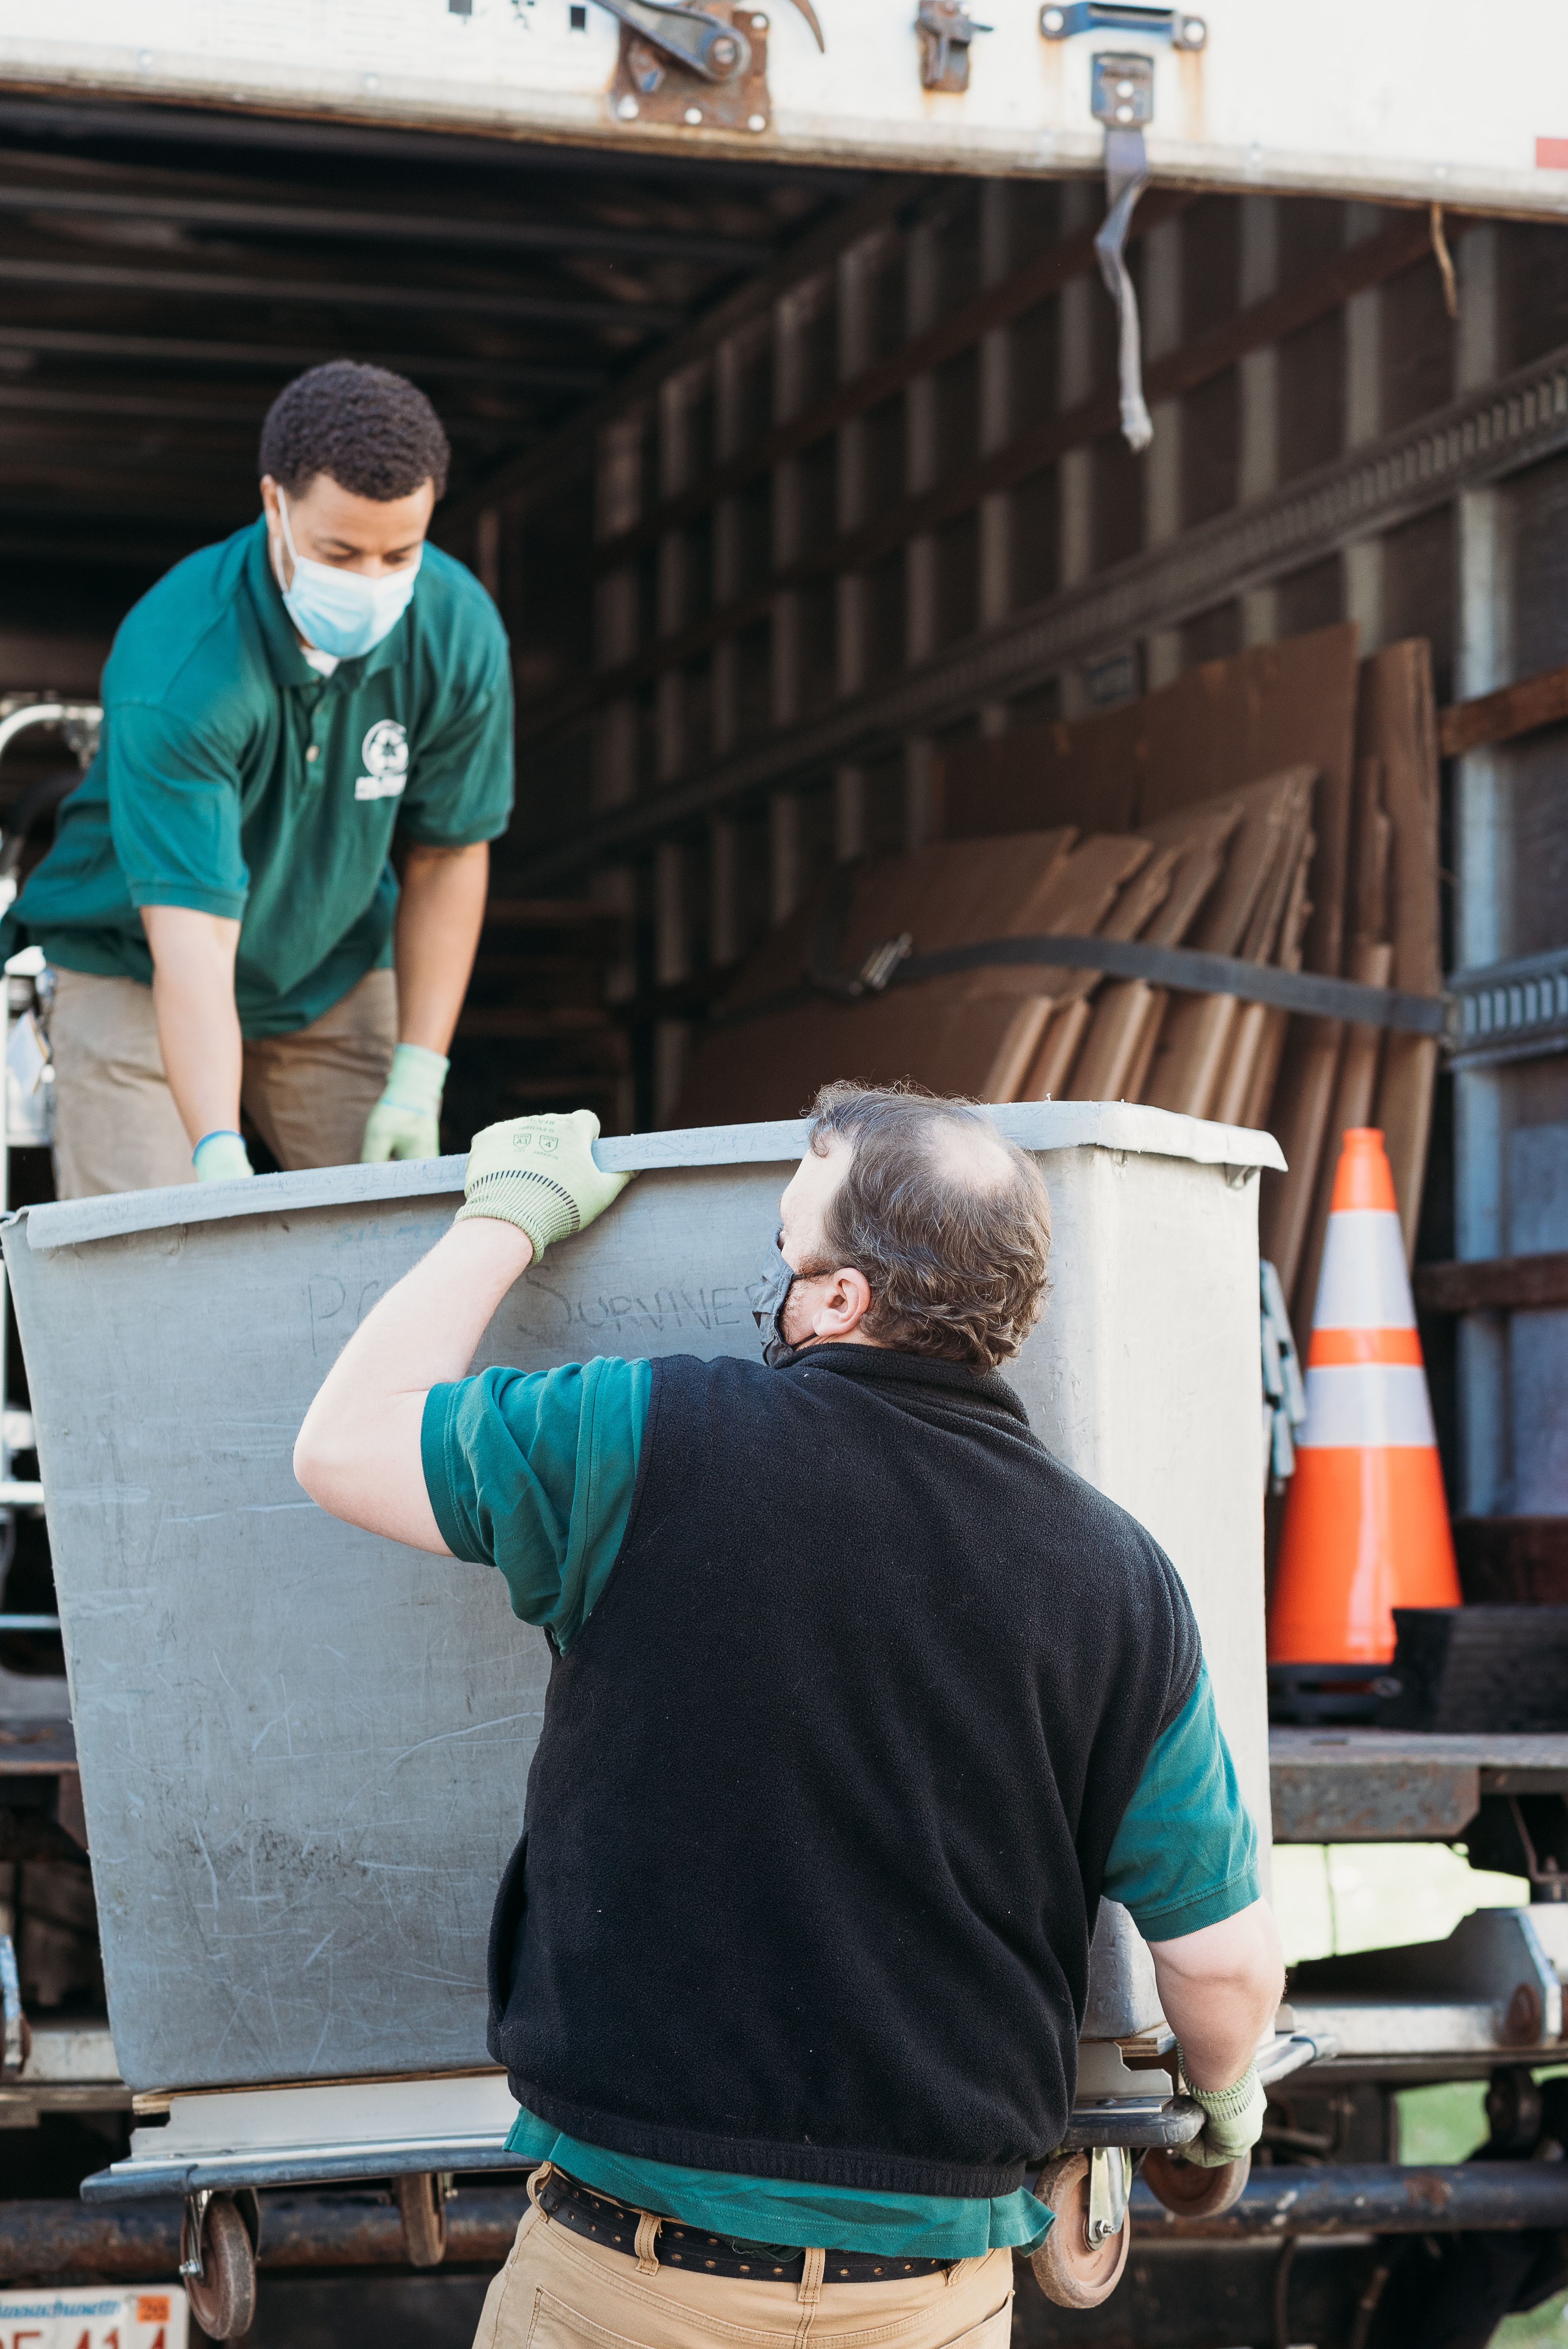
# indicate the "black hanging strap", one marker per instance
pixel 894 963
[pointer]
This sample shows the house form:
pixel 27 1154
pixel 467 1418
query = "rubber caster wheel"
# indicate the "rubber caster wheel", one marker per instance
pixel 1191 2192
pixel 422 2208
pixel 223 2296
pixel 1069 2269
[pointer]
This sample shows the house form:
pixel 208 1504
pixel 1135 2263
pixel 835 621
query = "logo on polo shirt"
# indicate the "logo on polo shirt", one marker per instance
pixel 386 755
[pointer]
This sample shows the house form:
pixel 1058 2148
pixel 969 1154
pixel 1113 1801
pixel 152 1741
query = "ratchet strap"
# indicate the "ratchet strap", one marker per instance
pixel 1126 177
pixel 895 963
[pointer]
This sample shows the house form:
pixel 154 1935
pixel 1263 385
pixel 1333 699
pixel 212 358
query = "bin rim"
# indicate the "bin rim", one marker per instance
pixel 1040 1126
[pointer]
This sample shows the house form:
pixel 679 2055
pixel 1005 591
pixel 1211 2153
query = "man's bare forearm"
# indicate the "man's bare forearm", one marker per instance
pixel 358 1452
pixel 440 912
pixel 198 1026
pixel 1220 1989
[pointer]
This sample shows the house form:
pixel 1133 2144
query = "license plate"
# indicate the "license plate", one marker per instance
pixel 92 2319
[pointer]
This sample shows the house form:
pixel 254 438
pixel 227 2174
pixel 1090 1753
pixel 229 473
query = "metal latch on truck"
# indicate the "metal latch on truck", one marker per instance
pixel 946 29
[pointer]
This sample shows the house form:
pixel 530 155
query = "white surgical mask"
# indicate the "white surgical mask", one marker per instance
pixel 341 612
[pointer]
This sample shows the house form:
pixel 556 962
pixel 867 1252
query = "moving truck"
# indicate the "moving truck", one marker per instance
pixel 855 408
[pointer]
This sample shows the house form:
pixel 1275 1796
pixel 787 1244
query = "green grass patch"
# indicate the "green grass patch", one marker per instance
pixel 1442 2123
pixel 1549 2323
pixel 1332 1898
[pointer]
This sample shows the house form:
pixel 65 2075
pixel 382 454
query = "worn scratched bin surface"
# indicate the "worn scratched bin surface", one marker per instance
pixel 304 1749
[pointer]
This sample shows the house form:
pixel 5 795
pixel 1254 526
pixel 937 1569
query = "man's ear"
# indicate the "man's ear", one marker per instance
pixel 848 1304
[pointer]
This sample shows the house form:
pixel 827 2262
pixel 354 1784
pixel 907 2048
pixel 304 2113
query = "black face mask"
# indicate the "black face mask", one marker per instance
pixel 766 1298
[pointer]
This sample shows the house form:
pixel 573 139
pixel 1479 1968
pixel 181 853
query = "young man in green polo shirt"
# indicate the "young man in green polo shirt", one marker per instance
pixel 861 1702
pixel 219 910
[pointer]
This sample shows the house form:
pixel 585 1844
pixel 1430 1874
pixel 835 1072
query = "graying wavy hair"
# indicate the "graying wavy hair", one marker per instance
pixel 957 1267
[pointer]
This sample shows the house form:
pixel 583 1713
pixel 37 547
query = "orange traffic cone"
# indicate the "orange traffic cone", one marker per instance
pixel 1366 1524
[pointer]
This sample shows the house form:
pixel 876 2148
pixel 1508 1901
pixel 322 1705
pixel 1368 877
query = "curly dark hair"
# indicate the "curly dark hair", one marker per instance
pixel 950 1224
pixel 374 432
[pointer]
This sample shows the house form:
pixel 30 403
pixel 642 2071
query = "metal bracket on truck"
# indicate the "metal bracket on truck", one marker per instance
pixel 1173 25
pixel 695 66
pixel 945 29
pixel 705 45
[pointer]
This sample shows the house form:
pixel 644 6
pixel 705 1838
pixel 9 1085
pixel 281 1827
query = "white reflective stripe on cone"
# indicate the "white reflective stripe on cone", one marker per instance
pixel 1363 1405
pixel 1363 1284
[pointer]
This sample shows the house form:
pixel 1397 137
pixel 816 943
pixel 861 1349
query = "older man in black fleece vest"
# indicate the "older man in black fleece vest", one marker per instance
pixel 861 1701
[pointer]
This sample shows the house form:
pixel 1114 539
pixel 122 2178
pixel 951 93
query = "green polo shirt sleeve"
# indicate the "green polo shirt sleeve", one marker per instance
pixel 174 810
pixel 1186 1853
pixel 533 1472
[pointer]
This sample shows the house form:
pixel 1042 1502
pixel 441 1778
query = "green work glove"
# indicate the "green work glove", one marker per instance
pixel 538 1173
pixel 222 1157
pixel 1233 2123
pixel 405 1123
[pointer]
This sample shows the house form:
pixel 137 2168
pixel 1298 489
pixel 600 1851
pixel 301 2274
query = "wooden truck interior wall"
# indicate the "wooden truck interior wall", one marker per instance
pixel 864 512
pixel 786 482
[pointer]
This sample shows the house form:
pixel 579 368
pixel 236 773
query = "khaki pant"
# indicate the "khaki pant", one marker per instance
pixel 560 2290
pixel 116 1125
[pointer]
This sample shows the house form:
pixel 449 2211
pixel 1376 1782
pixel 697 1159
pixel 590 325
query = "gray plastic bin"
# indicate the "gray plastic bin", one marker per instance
pixel 304 1749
